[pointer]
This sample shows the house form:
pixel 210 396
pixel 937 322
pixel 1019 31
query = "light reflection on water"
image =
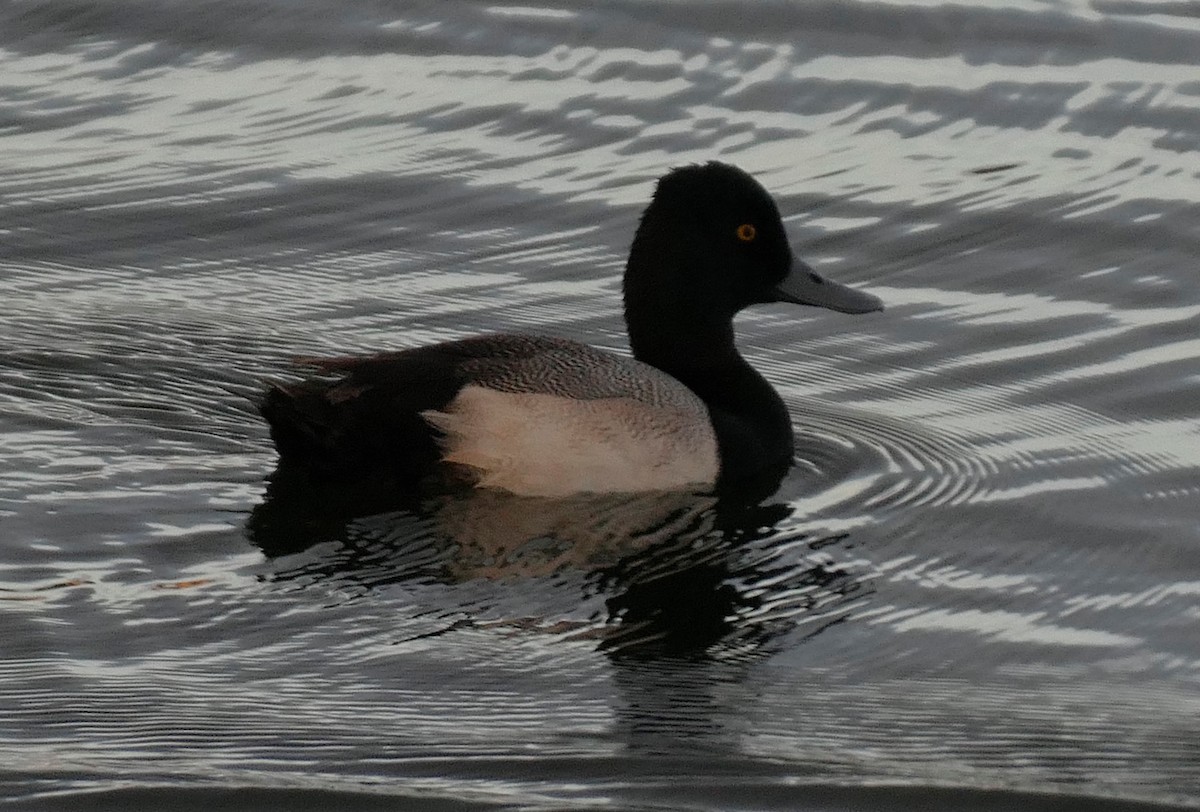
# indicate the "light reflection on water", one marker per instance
pixel 980 573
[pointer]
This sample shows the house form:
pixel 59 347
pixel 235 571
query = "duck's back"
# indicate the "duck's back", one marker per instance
pixel 532 415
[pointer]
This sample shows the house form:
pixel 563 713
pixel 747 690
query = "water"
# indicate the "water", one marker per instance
pixel 979 587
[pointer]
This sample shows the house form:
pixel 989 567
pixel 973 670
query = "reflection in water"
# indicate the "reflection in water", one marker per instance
pixel 500 536
pixel 680 574
pixel 728 591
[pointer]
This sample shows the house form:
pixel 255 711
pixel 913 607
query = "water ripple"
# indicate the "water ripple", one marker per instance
pixel 990 532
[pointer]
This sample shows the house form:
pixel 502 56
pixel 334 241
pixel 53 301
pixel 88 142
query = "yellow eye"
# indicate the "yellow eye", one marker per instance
pixel 746 232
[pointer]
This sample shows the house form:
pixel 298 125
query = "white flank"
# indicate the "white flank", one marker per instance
pixel 546 445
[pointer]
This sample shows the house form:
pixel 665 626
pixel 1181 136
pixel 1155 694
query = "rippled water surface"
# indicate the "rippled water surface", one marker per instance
pixel 979 587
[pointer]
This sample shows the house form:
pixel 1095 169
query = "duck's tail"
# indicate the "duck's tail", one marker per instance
pixel 348 428
pixel 300 424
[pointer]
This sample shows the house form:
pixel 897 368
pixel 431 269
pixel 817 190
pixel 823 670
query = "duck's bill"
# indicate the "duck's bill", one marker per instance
pixel 805 286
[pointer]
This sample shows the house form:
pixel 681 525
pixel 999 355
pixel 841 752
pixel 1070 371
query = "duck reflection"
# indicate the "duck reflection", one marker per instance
pixel 679 574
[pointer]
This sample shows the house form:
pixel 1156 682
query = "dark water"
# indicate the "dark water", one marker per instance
pixel 979 587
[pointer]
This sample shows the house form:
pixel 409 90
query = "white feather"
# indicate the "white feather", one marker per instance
pixel 548 445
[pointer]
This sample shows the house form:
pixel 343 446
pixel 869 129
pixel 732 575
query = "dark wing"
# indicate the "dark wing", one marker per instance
pixel 363 413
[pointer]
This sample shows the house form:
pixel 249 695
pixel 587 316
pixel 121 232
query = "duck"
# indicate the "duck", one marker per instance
pixel 542 416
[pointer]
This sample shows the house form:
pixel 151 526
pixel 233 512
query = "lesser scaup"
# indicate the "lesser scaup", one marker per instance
pixel 548 417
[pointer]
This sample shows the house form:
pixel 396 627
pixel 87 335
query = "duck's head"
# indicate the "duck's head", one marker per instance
pixel 711 243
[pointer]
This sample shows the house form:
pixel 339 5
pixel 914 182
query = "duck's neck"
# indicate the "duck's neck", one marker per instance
pixel 685 339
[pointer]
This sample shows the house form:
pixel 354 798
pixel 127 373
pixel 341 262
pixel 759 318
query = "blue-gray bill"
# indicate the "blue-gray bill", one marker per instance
pixel 805 286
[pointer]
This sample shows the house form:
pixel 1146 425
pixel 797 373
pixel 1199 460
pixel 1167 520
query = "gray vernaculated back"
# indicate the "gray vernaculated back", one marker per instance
pixel 569 369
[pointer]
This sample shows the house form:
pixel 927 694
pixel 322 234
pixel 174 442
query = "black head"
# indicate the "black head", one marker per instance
pixel 711 242
pixel 718 232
